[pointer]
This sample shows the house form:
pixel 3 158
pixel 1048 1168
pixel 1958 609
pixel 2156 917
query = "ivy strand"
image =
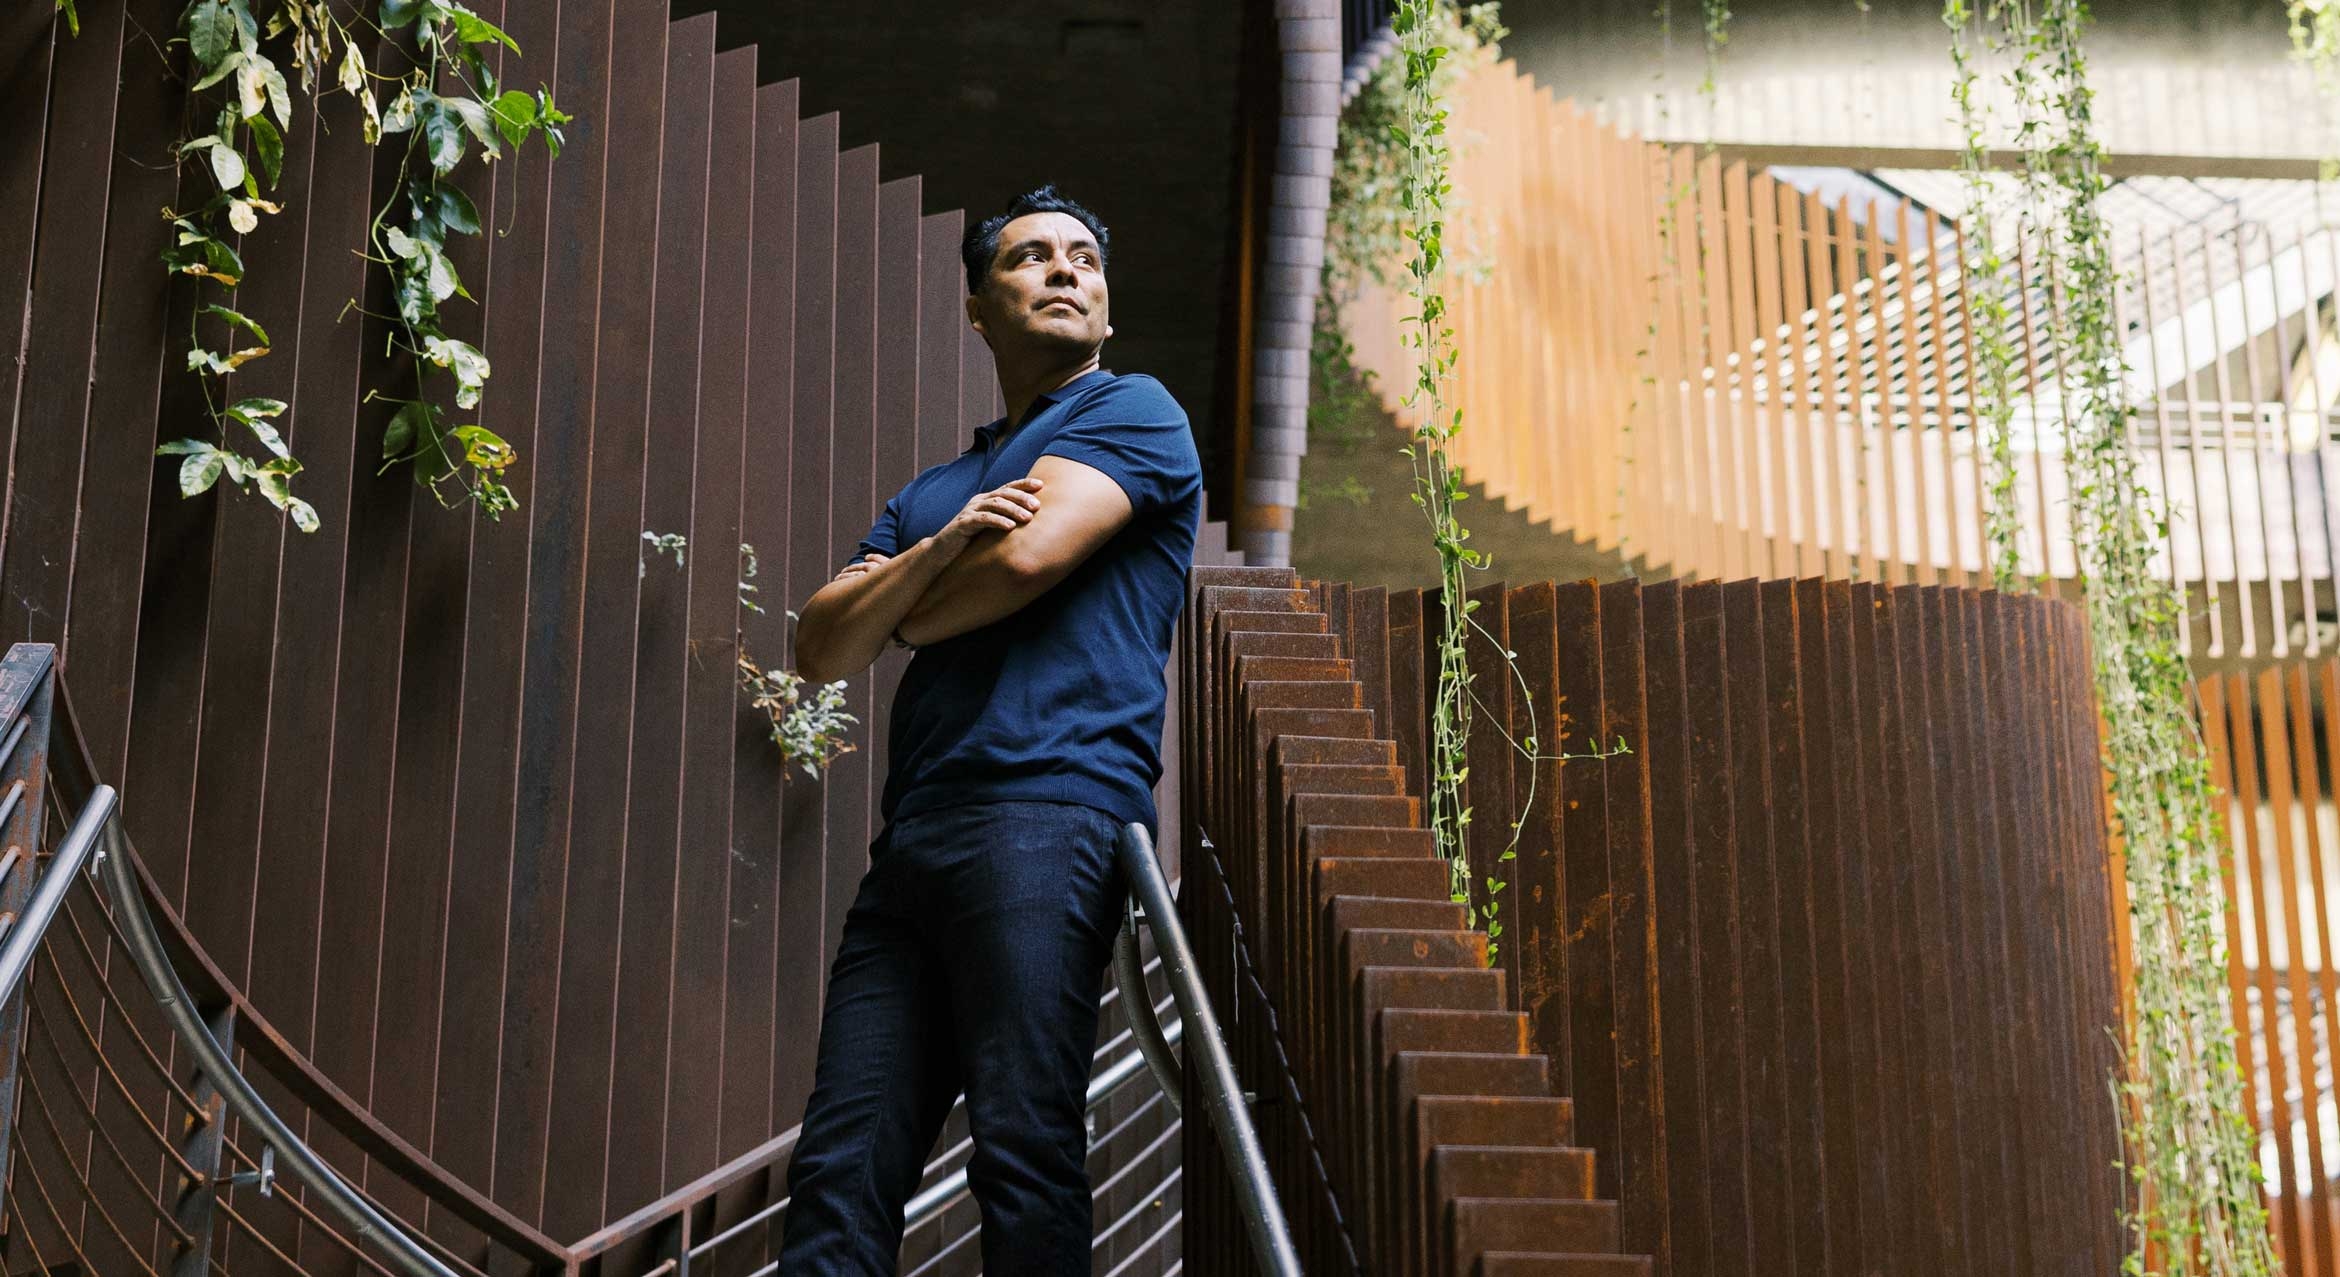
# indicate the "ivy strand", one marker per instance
pixel 443 105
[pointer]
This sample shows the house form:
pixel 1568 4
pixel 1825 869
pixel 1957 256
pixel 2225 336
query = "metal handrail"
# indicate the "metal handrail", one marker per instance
pixel 27 932
pixel 1129 972
pixel 1263 1215
pixel 97 834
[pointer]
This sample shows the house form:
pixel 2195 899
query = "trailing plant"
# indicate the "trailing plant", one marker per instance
pixel 1992 367
pixel 1718 33
pixel 809 731
pixel 445 101
pixel 2315 40
pixel 2190 1145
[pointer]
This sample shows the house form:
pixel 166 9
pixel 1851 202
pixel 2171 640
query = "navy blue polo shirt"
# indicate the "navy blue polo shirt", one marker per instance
pixel 1063 700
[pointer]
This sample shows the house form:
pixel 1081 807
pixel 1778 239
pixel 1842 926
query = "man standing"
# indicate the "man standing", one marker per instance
pixel 1040 577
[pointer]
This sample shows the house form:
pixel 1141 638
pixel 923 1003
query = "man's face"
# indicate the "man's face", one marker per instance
pixel 1046 287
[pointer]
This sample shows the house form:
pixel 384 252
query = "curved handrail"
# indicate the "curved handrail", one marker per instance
pixel 100 825
pixel 74 776
pixel 1255 1190
pixel 1152 1042
pixel 26 933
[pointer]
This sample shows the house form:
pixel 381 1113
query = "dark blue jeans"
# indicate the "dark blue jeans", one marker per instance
pixel 973 959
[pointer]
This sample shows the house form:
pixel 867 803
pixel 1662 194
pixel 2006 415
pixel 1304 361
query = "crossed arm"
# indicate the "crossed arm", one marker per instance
pixel 1001 552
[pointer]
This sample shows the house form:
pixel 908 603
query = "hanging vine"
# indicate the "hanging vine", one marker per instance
pixel 2197 1205
pixel 1992 366
pixel 445 102
pixel 2315 39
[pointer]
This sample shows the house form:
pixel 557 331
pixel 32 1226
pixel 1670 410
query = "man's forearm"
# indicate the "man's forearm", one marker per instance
pixel 987 583
pixel 847 623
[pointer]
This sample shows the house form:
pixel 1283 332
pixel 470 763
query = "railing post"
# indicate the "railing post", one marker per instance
pixel 25 699
pixel 204 1145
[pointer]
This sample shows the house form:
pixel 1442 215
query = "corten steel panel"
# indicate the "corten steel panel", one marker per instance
pixel 577 1149
pixel 751 987
pixel 1808 1091
pixel 1714 886
pixel 651 922
pixel 1641 1166
pixel 853 502
pixel 493 682
pixel 60 352
pixel 1952 1055
pixel 1572 997
pixel 1531 910
pixel 703 925
pixel 1488 792
pixel 555 609
pixel 803 881
pixel 28 38
pixel 1850 1126
pixel 1762 1000
pixel 895 429
pixel 942 313
pixel 1664 746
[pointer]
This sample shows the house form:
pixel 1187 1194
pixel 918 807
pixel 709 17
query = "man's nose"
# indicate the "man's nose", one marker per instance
pixel 1060 270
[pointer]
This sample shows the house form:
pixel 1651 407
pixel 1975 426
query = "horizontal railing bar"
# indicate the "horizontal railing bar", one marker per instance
pixel 130 1175
pixel 97 974
pixel 49 1036
pixel 92 1200
pixel 15 738
pixel 930 1203
pixel 171 995
pixel 75 775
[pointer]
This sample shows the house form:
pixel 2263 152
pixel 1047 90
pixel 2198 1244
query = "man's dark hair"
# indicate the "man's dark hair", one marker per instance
pixel 982 241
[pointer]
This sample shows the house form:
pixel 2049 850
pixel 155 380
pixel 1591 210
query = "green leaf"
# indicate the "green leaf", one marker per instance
pixel 228 166
pixel 401 13
pixel 226 67
pixel 515 114
pixel 474 29
pixel 416 420
pixel 484 448
pixel 242 218
pixel 279 96
pixel 182 448
pixel 243 321
pixel 353 70
pixel 72 19
pixel 465 361
pixel 454 209
pixel 442 278
pixel 442 137
pixel 257 406
pixel 268 148
pixel 400 242
pixel 199 472
pixel 269 439
pixel 477 119
pixel 211 32
pixel 304 515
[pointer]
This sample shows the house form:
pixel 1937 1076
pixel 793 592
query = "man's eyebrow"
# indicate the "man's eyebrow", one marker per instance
pixel 1036 242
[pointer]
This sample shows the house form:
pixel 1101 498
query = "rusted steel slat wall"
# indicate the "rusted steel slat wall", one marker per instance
pixel 471 808
pixel 1839 799
pixel 1823 968
pixel 1410 1126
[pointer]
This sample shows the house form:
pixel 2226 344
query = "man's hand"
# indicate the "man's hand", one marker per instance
pixel 848 622
pixel 1003 509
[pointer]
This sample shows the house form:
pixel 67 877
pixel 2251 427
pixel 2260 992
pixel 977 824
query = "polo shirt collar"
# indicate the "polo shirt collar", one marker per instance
pixel 987 435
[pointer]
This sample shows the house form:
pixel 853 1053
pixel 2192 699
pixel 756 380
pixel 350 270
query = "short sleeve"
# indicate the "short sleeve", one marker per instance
pixel 885 536
pixel 1137 435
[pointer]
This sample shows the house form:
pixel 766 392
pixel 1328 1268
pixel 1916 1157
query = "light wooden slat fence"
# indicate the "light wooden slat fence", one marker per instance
pixel 1717 374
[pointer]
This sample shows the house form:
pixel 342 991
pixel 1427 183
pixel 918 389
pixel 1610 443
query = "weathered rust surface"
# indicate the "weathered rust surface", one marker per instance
pixel 1412 1124
pixel 1816 979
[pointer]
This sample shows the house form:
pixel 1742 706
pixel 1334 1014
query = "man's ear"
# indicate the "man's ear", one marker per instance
pixel 975 316
pixel 1108 330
